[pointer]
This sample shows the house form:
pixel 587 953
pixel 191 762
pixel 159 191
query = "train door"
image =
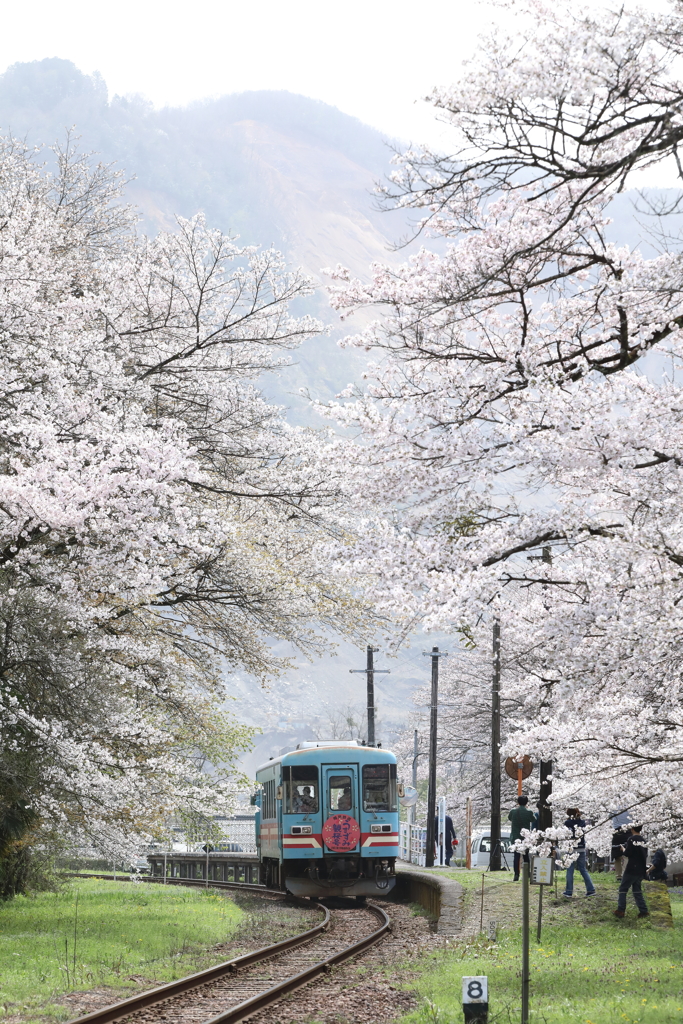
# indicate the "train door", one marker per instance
pixel 341 832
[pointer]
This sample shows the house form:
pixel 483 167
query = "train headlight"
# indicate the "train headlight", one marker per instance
pixel 380 828
pixel 301 830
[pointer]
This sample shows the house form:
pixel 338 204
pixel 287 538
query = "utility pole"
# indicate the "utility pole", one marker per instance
pixel 545 812
pixel 434 654
pixel 415 757
pixel 370 672
pixel 412 811
pixel 494 859
pixel 468 830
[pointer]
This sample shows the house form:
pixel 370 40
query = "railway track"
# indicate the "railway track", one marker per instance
pixel 237 989
pixel 196 882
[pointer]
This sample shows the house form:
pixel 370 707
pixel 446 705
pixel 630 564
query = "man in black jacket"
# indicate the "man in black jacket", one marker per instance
pixel 636 869
pixel 450 839
pixel 521 817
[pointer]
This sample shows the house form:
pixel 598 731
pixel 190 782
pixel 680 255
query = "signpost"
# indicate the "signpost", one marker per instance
pixel 475 999
pixel 542 873
pixel 519 770
pixel 525 942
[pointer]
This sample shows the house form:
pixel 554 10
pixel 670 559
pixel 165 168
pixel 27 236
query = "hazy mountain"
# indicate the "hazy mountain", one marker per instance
pixel 272 167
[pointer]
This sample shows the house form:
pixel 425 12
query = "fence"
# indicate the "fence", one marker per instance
pixel 236 834
pixel 413 843
pixel 240 829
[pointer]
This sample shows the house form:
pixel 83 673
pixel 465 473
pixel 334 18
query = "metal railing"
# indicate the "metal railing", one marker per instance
pixel 413 843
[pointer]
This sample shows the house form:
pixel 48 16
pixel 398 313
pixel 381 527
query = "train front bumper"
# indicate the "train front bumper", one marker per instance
pixel 339 887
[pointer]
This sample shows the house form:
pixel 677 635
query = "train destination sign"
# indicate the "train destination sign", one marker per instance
pixel 341 833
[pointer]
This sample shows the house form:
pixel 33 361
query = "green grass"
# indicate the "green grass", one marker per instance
pixel 595 970
pixel 95 933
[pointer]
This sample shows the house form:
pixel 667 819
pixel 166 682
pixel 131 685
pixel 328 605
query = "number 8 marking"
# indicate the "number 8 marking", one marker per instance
pixel 472 985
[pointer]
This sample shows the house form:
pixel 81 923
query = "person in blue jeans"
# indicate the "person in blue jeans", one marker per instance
pixel 574 821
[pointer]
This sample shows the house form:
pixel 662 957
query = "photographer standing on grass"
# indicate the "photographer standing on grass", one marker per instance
pixel 574 821
pixel 521 817
pixel 636 870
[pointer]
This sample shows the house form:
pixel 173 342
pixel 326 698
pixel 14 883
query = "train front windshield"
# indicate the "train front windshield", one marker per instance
pixel 301 789
pixel 341 790
pixel 379 787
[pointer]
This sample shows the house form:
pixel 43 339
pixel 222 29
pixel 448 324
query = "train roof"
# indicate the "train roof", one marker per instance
pixel 322 751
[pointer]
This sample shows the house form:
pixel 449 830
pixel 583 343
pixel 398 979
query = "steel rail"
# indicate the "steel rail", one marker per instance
pixel 175 988
pixel 272 995
pixel 248 1007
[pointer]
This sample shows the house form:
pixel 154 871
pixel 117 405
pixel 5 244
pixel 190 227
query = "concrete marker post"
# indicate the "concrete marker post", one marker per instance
pixel 475 999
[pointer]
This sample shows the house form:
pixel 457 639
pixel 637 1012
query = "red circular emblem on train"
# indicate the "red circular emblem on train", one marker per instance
pixel 341 832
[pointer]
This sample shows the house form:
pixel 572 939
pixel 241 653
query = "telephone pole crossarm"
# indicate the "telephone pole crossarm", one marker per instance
pixel 370 672
pixel 434 654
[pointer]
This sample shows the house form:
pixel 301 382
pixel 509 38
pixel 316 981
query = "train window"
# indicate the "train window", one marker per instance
pixel 379 787
pixel 341 793
pixel 301 788
pixel 268 810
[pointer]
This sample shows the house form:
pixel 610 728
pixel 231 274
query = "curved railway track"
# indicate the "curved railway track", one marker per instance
pixel 200 883
pixel 237 989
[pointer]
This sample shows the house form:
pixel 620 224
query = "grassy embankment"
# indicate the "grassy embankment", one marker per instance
pixel 590 968
pixel 119 936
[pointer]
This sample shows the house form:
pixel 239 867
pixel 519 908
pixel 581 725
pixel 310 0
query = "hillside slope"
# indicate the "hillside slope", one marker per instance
pixel 271 166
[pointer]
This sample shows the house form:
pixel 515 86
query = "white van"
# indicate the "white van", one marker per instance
pixel 481 849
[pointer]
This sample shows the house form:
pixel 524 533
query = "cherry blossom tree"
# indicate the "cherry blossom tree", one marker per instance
pixel 527 394
pixel 158 519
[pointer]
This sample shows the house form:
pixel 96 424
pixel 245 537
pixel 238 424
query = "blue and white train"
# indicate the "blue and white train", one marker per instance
pixel 328 820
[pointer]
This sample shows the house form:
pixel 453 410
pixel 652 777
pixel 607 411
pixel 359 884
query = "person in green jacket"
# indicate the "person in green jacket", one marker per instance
pixel 521 817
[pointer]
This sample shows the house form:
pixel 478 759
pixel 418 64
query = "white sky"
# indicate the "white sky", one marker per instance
pixel 370 58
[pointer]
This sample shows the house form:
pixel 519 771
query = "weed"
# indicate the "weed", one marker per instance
pixel 100 933
pixel 588 969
